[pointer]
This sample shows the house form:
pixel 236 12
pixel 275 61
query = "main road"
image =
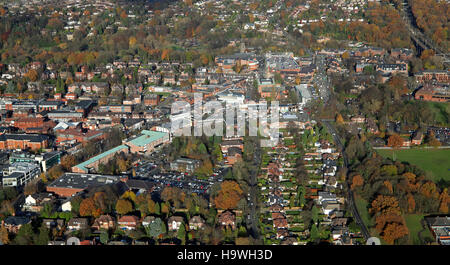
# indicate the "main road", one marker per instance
pixel 350 195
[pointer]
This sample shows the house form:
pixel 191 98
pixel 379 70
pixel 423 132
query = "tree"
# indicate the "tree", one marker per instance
pixel 88 208
pixel 315 214
pixel 411 203
pixel 228 196
pixel 30 188
pixel 395 141
pixel 32 75
pixel 4 235
pixel 123 206
pixel 156 228
pixel 357 181
pixel 182 233
pixel 444 201
pixel 314 234
pixel 394 231
pixel 24 235
pixel 339 119
pixel 43 237
pixel 385 205
pixel 104 237
pixel 68 161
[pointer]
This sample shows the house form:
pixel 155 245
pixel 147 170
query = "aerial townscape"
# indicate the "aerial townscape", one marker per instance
pixel 89 153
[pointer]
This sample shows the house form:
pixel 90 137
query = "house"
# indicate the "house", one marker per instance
pixel 128 222
pixel 227 219
pixel 417 138
pixel 35 202
pixel 326 197
pixel 66 206
pixel 104 222
pixel 54 223
pixel 14 223
pixel 329 207
pixel 234 154
pixel 196 222
pixel 148 220
pixel 174 223
pixel 77 224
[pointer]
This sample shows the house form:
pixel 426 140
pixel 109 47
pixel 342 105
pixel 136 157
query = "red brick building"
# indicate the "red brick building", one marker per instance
pixel 23 141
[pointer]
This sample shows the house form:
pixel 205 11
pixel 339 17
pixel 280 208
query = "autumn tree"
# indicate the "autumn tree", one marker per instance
pixel 123 206
pixel 395 141
pixel 339 119
pixel 394 231
pixel 411 203
pixel 385 205
pixel 228 196
pixel 88 208
pixel 444 199
pixel 68 161
pixel 357 181
pixel 32 75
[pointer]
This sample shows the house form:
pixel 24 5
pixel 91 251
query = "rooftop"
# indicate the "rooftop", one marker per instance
pixel 147 137
pixel 83 181
pixel 100 156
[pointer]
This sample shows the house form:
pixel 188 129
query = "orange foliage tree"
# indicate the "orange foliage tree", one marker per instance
pixel 357 181
pixel 395 141
pixel 229 195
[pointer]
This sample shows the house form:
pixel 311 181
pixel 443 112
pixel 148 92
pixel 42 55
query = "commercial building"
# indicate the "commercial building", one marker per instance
pixel 23 141
pixel 20 173
pixel 72 183
pixel 146 142
pixel 94 162
pixel 185 165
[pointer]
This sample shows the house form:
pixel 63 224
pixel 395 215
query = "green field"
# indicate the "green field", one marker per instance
pixel 362 205
pixel 441 112
pixel 436 162
pixel 414 227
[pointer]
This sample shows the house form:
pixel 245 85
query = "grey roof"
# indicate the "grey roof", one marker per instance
pixel 17 220
pixel 83 181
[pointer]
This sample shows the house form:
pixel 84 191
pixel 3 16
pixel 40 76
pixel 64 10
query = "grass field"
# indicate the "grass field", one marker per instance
pixel 441 111
pixel 414 227
pixel 436 162
pixel 362 204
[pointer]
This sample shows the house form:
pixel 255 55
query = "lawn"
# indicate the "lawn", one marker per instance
pixel 436 162
pixel 362 205
pixel 414 227
pixel 441 111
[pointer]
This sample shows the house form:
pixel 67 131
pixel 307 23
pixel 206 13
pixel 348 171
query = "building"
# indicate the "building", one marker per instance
pixel 93 163
pixel 196 222
pixel 146 142
pixel 104 222
pixel 440 228
pixel 20 173
pixel 77 224
pixel 46 160
pixel 174 223
pixel 23 141
pixel 71 183
pixel 35 202
pixel 14 223
pixel 185 165
pixel 435 93
pixel 128 222
pixel 227 219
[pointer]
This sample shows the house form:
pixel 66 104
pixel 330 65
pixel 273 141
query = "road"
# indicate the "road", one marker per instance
pixel 350 195
pixel 252 220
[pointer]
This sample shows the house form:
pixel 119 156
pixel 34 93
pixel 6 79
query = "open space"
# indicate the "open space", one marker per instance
pixel 436 162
